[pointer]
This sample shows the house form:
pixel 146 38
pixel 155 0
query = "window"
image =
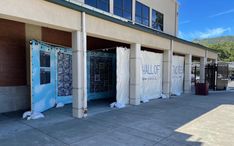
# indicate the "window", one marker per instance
pixel 142 14
pixel 44 67
pixel 123 8
pixel 157 20
pixel 100 4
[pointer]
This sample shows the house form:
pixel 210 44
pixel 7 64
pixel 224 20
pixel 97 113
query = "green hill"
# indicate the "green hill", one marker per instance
pixel 224 45
pixel 216 40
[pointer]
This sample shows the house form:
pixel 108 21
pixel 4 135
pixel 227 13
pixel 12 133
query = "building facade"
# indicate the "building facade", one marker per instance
pixel 90 24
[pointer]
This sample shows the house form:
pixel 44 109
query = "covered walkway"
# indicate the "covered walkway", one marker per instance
pixel 185 120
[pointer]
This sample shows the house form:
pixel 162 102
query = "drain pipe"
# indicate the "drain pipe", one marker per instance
pixel 84 45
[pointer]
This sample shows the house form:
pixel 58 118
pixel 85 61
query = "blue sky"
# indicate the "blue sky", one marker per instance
pixel 199 19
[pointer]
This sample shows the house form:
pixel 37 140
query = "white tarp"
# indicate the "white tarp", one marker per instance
pixel 151 75
pixel 122 73
pixel 177 75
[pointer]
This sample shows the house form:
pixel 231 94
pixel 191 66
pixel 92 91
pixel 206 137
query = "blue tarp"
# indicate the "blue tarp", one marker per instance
pixel 51 80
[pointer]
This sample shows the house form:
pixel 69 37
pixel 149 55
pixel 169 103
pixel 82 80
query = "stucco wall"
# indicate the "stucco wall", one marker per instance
pixel 168 8
pixel 109 30
pixel 40 12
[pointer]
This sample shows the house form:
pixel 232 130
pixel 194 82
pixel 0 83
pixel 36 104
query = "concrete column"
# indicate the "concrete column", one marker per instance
pixel 133 11
pixel 111 5
pixel 167 70
pixel 31 32
pixel 203 61
pixel 188 70
pixel 135 74
pixel 79 71
pixel 167 65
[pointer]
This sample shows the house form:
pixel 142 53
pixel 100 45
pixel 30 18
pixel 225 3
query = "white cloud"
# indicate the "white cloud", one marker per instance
pixel 211 33
pixel 222 13
pixel 181 35
pixel 184 22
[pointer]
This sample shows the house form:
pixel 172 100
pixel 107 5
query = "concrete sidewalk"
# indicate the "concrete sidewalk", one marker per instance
pixel 185 120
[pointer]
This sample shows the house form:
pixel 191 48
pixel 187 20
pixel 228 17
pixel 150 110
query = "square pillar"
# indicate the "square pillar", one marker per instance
pixel 135 74
pixel 167 68
pixel 203 61
pixel 79 104
pixel 188 71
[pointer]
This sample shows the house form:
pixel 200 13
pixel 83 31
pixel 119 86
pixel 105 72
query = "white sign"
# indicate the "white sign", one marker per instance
pixel 177 75
pixel 151 75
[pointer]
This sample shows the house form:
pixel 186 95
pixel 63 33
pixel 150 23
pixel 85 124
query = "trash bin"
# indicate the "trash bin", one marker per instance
pixel 202 89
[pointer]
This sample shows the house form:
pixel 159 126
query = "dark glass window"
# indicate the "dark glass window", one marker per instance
pixel 44 76
pixel 142 14
pixel 123 8
pixel 44 67
pixel 44 59
pixel 100 4
pixel 157 20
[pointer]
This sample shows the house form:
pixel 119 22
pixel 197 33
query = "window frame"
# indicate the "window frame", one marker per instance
pixel 97 4
pixel 123 9
pixel 141 16
pixel 156 23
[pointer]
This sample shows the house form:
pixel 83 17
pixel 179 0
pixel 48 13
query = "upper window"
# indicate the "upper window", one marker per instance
pixel 100 4
pixel 142 14
pixel 157 20
pixel 123 8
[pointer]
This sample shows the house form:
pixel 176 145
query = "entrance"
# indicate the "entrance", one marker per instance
pixel 152 71
pixel 51 77
pixel 107 74
pixel 177 87
pixel 101 70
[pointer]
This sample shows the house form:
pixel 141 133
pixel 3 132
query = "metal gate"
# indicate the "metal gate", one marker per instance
pixel 217 76
pixel 211 75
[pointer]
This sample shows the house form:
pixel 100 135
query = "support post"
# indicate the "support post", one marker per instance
pixel 188 71
pixel 167 69
pixel 135 74
pixel 203 62
pixel 79 79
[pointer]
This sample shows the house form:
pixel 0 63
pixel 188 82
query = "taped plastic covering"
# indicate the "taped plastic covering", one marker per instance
pixel 122 72
pixel 51 81
pixel 32 115
pixel 151 76
pixel 101 75
pixel 177 84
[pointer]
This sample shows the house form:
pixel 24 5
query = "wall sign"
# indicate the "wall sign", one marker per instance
pixel 177 79
pixel 151 75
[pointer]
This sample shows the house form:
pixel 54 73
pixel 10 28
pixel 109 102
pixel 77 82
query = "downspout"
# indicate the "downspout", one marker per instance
pixel 84 45
pixel 176 18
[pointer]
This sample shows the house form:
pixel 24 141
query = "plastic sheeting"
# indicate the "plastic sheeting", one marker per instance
pixel 151 75
pixel 122 72
pixel 101 75
pixel 49 74
pixel 177 75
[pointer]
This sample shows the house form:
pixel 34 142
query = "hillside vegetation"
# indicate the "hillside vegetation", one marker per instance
pixel 224 46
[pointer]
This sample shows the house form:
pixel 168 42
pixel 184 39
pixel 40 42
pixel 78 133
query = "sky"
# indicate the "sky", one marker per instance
pixel 200 19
